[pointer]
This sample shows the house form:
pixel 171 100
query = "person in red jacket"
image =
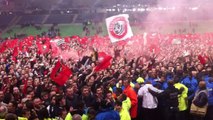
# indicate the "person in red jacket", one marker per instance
pixel 129 92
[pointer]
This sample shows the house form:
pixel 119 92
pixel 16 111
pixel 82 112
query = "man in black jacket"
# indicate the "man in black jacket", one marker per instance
pixel 171 99
pixel 72 99
pixel 87 98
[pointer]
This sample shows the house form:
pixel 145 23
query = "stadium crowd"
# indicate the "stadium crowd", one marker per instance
pixel 147 77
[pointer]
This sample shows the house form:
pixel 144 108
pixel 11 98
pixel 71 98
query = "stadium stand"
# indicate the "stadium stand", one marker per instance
pixel 5 20
pixel 59 18
pixel 26 19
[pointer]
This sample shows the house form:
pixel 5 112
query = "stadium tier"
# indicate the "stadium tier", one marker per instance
pixel 27 19
pixel 5 20
pixel 59 18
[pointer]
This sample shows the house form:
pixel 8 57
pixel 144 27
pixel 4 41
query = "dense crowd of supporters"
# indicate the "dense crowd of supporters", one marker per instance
pixel 158 82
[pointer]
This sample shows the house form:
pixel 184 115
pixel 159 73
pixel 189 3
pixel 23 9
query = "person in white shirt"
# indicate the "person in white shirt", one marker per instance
pixel 149 102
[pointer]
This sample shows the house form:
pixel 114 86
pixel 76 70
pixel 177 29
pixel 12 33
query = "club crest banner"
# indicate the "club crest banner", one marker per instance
pixel 118 27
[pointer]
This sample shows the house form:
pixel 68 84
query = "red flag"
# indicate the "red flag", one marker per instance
pixel 104 61
pixel 12 43
pixel 75 37
pixel 25 44
pixel 61 77
pixel 201 59
pixel 43 48
pixel 28 41
pixel 83 40
pixel 67 39
pixel 21 44
pixel 2 48
pixel 30 37
pixel 154 48
pixel 66 72
pixel 15 52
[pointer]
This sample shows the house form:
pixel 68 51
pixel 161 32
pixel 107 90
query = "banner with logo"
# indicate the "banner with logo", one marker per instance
pixel 118 27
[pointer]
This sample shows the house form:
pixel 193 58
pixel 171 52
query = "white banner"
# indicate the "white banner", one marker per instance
pixel 58 41
pixel 118 27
